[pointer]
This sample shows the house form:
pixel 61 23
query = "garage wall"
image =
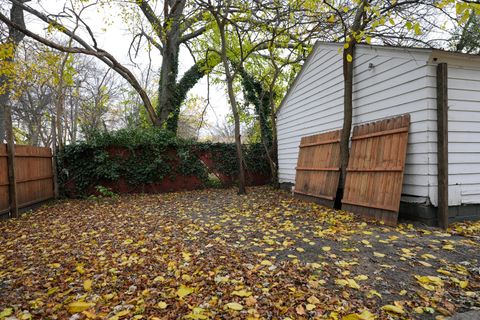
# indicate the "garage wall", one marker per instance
pixel 387 82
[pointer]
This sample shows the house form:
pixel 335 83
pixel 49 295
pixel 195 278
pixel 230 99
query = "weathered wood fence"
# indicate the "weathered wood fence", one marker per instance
pixel 373 185
pixel 34 176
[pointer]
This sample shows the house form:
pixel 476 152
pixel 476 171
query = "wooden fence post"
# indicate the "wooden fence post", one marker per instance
pixel 12 181
pixel 54 157
pixel 442 144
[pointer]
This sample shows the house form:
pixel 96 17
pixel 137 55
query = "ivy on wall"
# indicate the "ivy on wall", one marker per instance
pixel 146 156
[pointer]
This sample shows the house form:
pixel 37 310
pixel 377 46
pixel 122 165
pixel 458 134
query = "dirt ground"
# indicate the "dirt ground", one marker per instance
pixel 213 254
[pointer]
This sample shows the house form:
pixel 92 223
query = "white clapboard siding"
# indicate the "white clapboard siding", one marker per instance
pixel 396 84
pixel 464 134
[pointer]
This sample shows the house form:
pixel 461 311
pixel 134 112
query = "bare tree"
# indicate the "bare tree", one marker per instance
pixel 83 46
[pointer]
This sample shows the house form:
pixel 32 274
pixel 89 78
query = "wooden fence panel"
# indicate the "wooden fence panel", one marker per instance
pixel 374 180
pixel 34 175
pixel 318 167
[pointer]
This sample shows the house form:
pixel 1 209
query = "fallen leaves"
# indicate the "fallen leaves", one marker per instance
pixel 394 309
pixel 87 285
pixel 241 293
pixel 212 254
pixel 184 291
pixel 79 306
pixel 234 306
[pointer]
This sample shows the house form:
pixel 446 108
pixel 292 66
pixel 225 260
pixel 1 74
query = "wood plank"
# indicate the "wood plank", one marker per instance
pixel 315 195
pixel 369 205
pixel 398 169
pixel 378 134
pixel 318 166
pixel 33 176
pixel 375 171
pixel 316 169
pixel 319 143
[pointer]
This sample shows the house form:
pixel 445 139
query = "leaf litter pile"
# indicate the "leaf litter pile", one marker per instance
pixel 212 254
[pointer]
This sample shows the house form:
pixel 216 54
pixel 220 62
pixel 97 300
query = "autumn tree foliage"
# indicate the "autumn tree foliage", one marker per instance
pixel 255 48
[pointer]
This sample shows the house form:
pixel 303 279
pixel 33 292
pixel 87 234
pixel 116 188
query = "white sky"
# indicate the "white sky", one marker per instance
pixel 113 36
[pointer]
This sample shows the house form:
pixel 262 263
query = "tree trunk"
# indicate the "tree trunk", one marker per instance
pixel 60 103
pixel 185 84
pixel 347 118
pixel 4 98
pixel 14 37
pixel 273 158
pixel 2 115
pixel 233 103
pixel 54 159
pixel 168 80
pixel 12 180
pixel 348 59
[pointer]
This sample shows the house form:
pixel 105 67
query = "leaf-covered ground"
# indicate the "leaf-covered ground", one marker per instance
pixel 213 254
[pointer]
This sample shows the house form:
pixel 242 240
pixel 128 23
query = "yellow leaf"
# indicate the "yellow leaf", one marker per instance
pixel 162 305
pixel 378 254
pixel 331 19
pixel 417 29
pixel 55 265
pixel 427 286
pixel 349 57
pixel 121 314
pixel 234 306
pixel 266 263
pixel 184 291
pixel 352 284
pixel 128 241
pixel 310 307
pixel 463 284
pixel 242 293
pixel 80 269
pixel 186 256
pixel 394 309
pixel 361 277
pixel 326 249
pixel 6 312
pixel 372 293
pixel 429 279
pixel 365 315
pixel 448 247
pixel 425 264
pixel 87 285
pixel 79 306
pixel 341 282
pixel 313 300
pixel 300 249
pixel 445 272
pixel 89 315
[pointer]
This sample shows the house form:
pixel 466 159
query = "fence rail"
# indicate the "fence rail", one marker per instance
pixel 34 176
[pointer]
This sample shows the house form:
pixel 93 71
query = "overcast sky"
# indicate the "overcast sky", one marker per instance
pixel 113 36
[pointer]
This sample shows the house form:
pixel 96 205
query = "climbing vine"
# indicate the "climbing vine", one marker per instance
pixel 147 156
